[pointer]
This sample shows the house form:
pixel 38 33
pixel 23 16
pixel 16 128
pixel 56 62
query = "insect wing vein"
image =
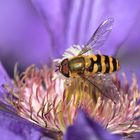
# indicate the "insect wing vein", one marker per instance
pixel 99 36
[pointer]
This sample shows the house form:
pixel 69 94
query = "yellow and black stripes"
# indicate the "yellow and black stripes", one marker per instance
pixel 88 65
pixel 103 64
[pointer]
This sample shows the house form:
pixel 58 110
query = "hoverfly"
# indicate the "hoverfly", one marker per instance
pixel 93 67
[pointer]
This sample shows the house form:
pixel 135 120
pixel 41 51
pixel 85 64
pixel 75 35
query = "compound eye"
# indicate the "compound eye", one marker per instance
pixel 65 63
pixel 65 68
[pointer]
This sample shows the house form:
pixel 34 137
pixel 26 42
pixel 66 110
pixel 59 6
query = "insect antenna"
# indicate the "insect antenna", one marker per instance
pixel 57 68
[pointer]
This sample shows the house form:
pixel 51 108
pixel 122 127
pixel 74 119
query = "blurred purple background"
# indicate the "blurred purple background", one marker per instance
pixel 36 31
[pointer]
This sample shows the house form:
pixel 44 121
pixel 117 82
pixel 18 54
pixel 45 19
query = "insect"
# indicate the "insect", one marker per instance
pixel 94 67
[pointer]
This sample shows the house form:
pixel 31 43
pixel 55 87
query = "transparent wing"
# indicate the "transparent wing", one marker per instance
pixel 99 36
pixel 105 85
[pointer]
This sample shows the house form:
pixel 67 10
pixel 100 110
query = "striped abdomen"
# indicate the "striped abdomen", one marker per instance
pixel 103 64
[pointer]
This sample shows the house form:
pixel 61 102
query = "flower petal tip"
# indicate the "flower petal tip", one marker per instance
pixel 85 128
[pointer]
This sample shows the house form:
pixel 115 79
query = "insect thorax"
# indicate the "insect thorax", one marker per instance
pixel 76 65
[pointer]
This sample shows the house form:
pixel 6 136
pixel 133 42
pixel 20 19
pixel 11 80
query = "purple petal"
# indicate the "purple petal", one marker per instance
pixel 16 128
pixel 4 78
pixel 86 129
pixel 24 37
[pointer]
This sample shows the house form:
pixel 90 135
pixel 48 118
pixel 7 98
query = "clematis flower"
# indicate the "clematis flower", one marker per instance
pixel 50 103
pixel 43 98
